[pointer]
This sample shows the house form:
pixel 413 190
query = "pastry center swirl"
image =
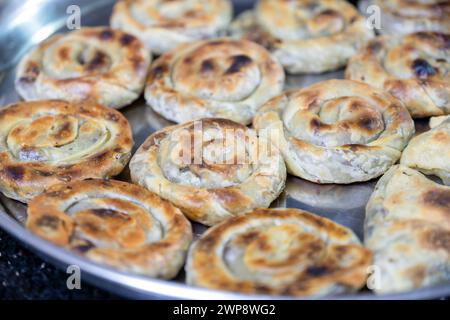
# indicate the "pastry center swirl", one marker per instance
pixel 282 253
pixel 111 223
pixel 299 20
pixel 72 58
pixel 208 158
pixel 335 122
pixel 56 138
pixel 217 73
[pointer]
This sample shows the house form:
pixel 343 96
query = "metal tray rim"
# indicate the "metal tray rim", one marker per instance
pixel 163 288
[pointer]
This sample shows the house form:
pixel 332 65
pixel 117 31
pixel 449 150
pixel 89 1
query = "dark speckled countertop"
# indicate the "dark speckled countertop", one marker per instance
pixel 23 275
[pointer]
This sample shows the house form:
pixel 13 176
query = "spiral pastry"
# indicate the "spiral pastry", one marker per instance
pixel 307 36
pixel 429 152
pixel 414 68
pixel 211 169
pixel 99 64
pixel 114 223
pixel 223 78
pixel 408 229
pixel 279 252
pixel 407 16
pixel 162 24
pixel 48 142
pixel 336 131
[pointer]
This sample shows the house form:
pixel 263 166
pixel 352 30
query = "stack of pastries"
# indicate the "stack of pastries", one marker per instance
pixel 236 135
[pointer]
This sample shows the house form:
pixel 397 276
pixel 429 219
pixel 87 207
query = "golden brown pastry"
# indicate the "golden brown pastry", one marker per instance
pixel 222 78
pixel 211 169
pixel 307 36
pixel 336 131
pixel 48 142
pixel 162 25
pixel 408 229
pixel 430 152
pixel 99 64
pixel 406 16
pixel 414 68
pixel 114 223
pixel 279 252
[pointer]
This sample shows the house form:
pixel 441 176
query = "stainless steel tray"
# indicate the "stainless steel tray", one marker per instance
pixel 25 23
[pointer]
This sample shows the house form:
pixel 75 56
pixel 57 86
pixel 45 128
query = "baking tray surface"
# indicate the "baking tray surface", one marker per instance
pixel 25 24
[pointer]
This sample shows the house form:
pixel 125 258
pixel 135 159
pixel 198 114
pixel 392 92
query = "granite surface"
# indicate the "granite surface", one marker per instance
pixel 23 275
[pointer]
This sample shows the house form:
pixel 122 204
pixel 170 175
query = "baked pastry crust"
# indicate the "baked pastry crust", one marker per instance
pixel 222 78
pixel 336 131
pixel 407 16
pixel 114 223
pixel 306 36
pixel 408 228
pixel 98 64
pixel 279 252
pixel 429 152
pixel 435 121
pixel 163 25
pixel 48 142
pixel 211 169
pixel 414 68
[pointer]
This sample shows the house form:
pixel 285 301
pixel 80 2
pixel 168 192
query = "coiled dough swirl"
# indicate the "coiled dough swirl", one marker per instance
pixel 164 24
pixel 222 78
pixel 114 223
pixel 336 131
pixel 99 64
pixel 212 169
pixel 306 36
pixel 279 252
pixel 414 68
pixel 51 141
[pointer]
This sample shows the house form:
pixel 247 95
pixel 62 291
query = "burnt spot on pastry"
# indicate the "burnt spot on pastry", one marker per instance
pixel 238 63
pixel 64 53
pixel 159 71
pixel 330 13
pixel 317 271
pixel 48 221
pixel 83 246
pixel 438 239
pixel 207 66
pixel 374 47
pixel 44 173
pixel 247 238
pixel 31 73
pixel 368 123
pixel 316 125
pixel 126 39
pixel 108 213
pixel 106 35
pixel 356 147
pixel 100 157
pixel 99 60
pixel 208 243
pixel 438 198
pixel 422 69
pixel 64 131
pixel 353 19
pixel 14 173
pixel 112 116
